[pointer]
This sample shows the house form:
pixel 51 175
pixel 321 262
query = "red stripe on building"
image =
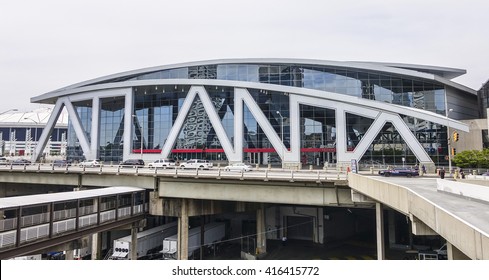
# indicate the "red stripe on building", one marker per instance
pixel 246 150
pixel 147 151
pixel 318 150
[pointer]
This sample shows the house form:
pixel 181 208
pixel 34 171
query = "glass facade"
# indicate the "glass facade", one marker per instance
pixel 483 100
pixel 111 129
pixel 318 135
pixel 20 141
pixel 385 87
pixel 84 111
pixel 28 133
pixel 156 108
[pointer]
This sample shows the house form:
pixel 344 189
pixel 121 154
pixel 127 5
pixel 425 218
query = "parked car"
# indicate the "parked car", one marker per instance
pixel 132 163
pixel 89 163
pixel 197 164
pixel 163 163
pixel 4 161
pixel 21 162
pixel 238 167
pixel 407 172
pixel 61 163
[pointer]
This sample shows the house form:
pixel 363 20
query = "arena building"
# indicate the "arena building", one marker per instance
pixel 21 131
pixel 289 112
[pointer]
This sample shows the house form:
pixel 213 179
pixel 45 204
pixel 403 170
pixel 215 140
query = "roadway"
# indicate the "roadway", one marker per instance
pixel 474 213
pixel 263 173
pixel 459 219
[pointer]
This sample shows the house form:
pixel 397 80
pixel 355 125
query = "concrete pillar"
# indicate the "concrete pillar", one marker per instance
pixel 453 253
pixel 392 227
pixel 69 255
pixel 96 246
pixel 183 232
pixel 379 220
pixel 134 242
pixel 261 238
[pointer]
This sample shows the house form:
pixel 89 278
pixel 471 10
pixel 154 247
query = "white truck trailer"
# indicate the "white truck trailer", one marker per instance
pixel 213 232
pixel 80 253
pixel 37 257
pixel 146 240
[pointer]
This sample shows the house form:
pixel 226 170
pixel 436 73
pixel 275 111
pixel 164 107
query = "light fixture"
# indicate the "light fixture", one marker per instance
pixel 31 120
pixel 10 110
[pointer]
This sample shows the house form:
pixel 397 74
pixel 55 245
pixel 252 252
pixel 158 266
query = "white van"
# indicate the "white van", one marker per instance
pixel 197 164
pixel 162 163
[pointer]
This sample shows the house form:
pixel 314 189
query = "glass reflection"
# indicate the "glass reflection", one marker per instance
pixel 84 111
pixel 366 84
pixel 111 129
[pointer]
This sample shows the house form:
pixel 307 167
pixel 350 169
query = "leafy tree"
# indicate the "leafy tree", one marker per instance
pixel 472 159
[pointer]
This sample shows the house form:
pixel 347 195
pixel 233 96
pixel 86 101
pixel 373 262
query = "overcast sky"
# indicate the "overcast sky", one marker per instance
pixel 49 44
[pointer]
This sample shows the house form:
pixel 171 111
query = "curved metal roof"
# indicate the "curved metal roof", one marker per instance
pixel 411 70
pixel 38 117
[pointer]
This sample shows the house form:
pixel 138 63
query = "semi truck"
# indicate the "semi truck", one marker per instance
pixel 147 241
pixel 213 232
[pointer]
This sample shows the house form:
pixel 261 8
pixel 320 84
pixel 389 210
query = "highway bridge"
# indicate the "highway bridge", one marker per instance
pixel 193 193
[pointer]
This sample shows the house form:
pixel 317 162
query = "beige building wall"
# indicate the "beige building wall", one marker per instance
pixel 471 140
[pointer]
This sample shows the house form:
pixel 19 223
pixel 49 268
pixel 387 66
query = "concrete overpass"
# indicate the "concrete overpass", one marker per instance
pixel 462 221
pixel 184 194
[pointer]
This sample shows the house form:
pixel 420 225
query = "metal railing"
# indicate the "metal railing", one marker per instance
pixel 329 172
pixel 38 227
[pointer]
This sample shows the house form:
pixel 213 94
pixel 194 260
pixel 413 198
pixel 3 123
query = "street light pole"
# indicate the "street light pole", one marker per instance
pixel 449 140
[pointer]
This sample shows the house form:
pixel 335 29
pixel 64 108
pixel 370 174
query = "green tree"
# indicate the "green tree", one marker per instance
pixel 472 159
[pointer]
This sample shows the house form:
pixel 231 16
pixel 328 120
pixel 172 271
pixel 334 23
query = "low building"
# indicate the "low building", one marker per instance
pixel 21 131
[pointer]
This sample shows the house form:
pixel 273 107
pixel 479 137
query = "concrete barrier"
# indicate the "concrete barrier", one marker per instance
pixel 463 189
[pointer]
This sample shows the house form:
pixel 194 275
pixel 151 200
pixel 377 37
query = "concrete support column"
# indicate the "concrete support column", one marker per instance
pixel 134 242
pixel 453 253
pixel 96 246
pixel 261 238
pixel 69 255
pixel 392 227
pixel 183 232
pixel 379 220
